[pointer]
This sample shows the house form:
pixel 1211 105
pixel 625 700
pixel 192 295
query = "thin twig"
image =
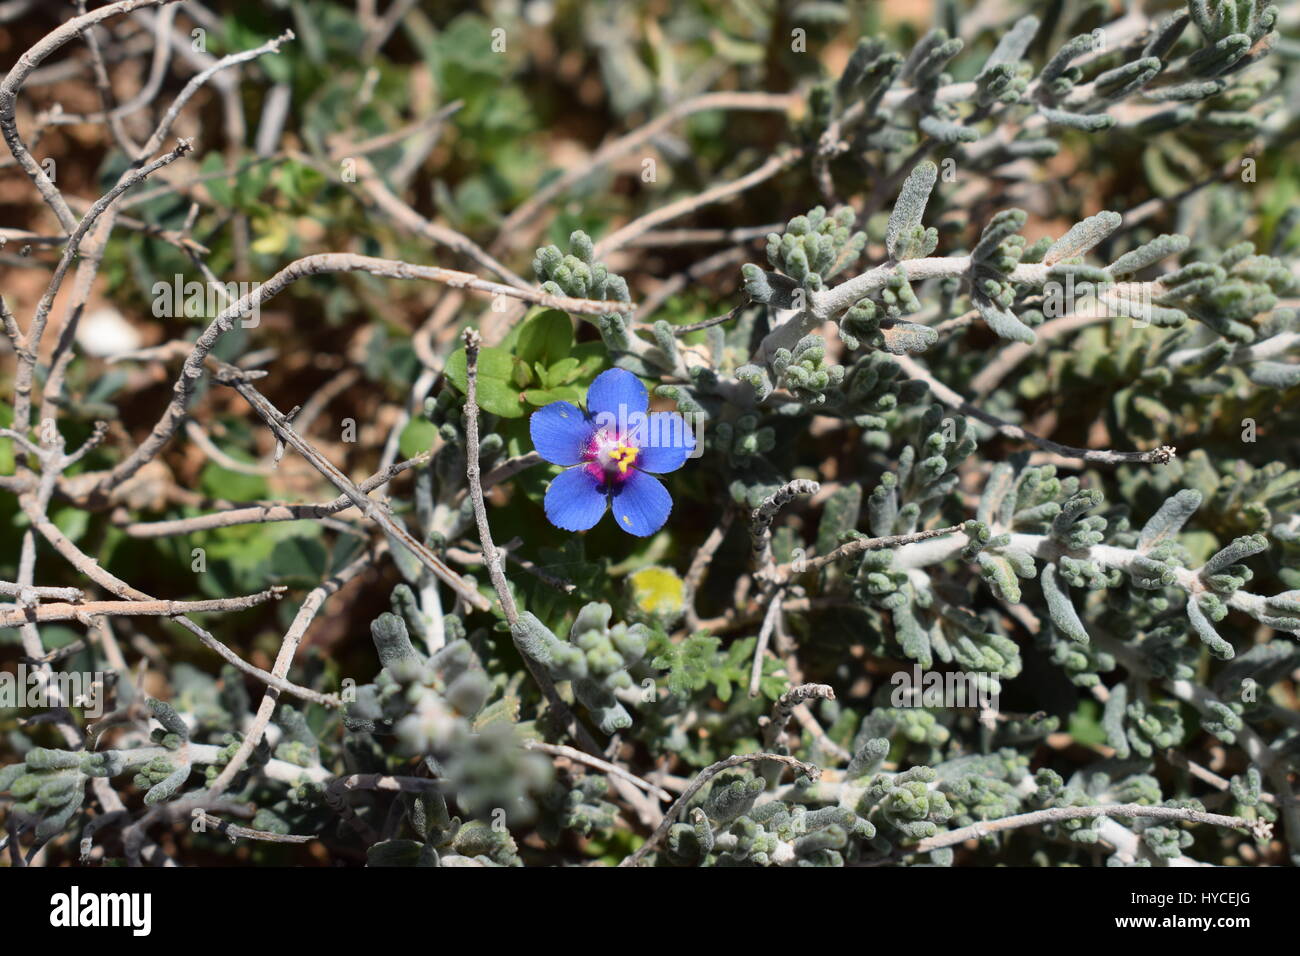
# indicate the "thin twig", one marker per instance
pixel 284 660
pixel 18 74
pixel 850 548
pixel 9 589
pixel 492 557
pixel 772 597
pixel 320 264
pixel 708 323
pixel 1261 829
pixel 769 102
pixel 270 511
pixel 462 556
pixel 577 756
pixel 389 203
pixel 1160 456
pixel 43 613
pixel 703 777
pixel 760 531
pixel 785 707
pixel 238 380
pixel 32 340
pixel 695 574
pixel 775 164
pixel 91 569
pixel 236 832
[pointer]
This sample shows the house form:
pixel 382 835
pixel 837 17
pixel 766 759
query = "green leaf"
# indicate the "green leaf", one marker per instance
pixel 901 233
pixel 561 373
pixel 221 482
pixel 417 437
pixel 299 561
pixel 546 337
pixel 689 664
pixel 496 393
pixel 569 393
pixel 1085 727
pixel 72 522
pixel 218 187
pixel 500 398
pixel 492 363
pixel 561 393
pixel 592 356
pixel 521 376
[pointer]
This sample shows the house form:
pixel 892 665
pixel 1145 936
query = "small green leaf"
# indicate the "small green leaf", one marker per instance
pixel 298 561
pixel 492 363
pixel 232 485
pixel 522 375
pixel 417 437
pixel 562 372
pixel 500 398
pixel 72 522
pixel 496 392
pixel 1085 726
pixel 546 337
pixel 568 393
pixel 591 356
pixel 540 396
pixel 218 187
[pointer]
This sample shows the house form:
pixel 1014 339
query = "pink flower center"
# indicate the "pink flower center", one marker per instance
pixel 609 456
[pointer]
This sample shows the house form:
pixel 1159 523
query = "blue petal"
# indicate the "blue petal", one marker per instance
pixel 641 504
pixel 575 501
pixel 616 395
pixel 665 441
pixel 560 432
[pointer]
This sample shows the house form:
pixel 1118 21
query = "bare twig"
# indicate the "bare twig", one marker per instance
pixel 850 548
pixel 236 832
pixel 491 556
pixel 18 74
pixel 147 94
pixel 43 613
pixel 1259 828
pixel 1162 455
pixel 91 569
pixel 52 593
pixel 493 559
pixel 238 380
pixel 283 661
pixel 768 102
pixel 511 467
pixel 308 266
pixel 406 217
pixel 775 164
pixel 278 511
pixel 760 530
pixel 32 340
pixel 703 777
pixel 577 756
pixel 462 556
pixel 784 708
pixel 695 574
pixel 772 597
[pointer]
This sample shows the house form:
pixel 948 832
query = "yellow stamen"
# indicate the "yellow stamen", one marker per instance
pixel 625 455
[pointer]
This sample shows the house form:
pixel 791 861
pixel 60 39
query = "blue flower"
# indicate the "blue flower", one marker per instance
pixel 611 452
